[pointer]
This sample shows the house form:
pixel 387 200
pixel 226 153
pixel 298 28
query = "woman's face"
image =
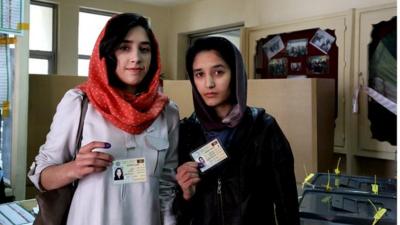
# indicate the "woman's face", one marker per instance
pixel 212 78
pixel 133 58
pixel 201 160
pixel 119 172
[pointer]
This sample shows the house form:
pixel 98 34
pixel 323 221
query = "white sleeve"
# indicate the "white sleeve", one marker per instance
pixel 59 146
pixel 167 179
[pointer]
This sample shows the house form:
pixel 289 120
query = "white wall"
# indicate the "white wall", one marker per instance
pixel 216 13
pixel 272 11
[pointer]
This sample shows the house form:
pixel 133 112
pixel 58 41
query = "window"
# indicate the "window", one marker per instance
pixel 231 33
pixel 42 38
pixel 90 25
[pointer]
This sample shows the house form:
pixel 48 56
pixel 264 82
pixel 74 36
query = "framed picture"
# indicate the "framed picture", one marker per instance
pixel 318 64
pixel 322 40
pixel 273 46
pixel 278 67
pixel 295 66
pixel 297 47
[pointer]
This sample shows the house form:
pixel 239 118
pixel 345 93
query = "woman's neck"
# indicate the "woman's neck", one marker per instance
pixel 131 89
pixel 223 110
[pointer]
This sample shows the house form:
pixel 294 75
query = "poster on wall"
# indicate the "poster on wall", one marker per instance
pixel 11 15
pixel 278 67
pixel 322 40
pixel 297 47
pixel 318 64
pixel 295 66
pixel 273 46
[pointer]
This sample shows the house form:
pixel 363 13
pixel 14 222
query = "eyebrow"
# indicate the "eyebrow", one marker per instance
pixel 197 70
pixel 218 66
pixel 213 67
pixel 141 43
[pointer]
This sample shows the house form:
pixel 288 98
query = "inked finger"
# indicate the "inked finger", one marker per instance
pixel 94 144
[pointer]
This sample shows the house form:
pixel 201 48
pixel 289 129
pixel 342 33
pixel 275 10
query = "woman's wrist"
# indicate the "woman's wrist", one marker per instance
pixel 187 195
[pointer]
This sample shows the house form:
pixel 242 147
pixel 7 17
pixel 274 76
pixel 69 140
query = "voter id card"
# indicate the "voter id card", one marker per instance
pixel 129 171
pixel 209 155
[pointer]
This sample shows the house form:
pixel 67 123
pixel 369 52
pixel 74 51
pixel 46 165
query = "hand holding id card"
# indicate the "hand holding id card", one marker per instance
pixel 209 155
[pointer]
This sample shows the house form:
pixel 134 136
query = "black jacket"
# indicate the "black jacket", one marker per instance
pixel 256 183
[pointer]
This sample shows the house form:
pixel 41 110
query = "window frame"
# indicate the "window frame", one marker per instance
pixel 92 11
pixel 186 40
pixel 50 56
pixel 193 36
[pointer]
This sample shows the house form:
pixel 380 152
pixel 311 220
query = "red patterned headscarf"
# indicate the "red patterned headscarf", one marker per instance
pixel 127 111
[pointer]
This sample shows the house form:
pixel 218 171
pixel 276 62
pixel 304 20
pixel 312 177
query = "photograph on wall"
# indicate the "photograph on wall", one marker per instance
pixel 297 47
pixel 318 64
pixel 278 67
pixel 273 46
pixel 295 66
pixel 322 40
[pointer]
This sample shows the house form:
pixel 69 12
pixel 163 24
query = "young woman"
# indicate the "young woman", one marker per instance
pixel 256 183
pixel 118 174
pixel 128 124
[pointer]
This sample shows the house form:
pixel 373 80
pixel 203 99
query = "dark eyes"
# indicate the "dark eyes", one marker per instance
pixel 128 48
pixel 123 47
pixel 145 49
pixel 198 74
pixel 219 72
pixel 214 73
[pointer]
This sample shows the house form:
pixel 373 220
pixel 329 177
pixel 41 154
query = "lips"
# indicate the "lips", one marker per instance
pixel 210 94
pixel 135 69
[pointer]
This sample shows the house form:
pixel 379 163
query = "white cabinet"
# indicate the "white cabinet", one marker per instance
pixel 365 145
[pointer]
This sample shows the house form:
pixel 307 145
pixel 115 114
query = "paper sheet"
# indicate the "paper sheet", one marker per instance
pixel 12 13
pixel 14 214
pixel 4 70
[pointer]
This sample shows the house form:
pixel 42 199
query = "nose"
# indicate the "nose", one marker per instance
pixel 135 56
pixel 210 81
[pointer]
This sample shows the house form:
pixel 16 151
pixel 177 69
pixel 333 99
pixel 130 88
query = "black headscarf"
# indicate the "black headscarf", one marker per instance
pixel 231 55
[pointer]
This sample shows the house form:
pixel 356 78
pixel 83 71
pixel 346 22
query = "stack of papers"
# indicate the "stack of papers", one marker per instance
pixel 14 214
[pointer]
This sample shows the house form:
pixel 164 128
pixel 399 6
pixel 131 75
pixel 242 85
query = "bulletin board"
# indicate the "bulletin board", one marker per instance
pixel 311 53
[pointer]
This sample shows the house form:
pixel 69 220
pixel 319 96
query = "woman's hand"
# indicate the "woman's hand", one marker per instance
pixel 87 161
pixel 188 177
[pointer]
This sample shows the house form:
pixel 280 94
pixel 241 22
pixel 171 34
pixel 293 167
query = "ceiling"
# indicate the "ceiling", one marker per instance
pixel 162 2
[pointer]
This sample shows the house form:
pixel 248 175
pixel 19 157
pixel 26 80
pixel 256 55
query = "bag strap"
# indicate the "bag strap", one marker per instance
pixel 84 106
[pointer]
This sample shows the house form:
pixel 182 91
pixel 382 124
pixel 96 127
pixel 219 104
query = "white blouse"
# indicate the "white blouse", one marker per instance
pixel 98 200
